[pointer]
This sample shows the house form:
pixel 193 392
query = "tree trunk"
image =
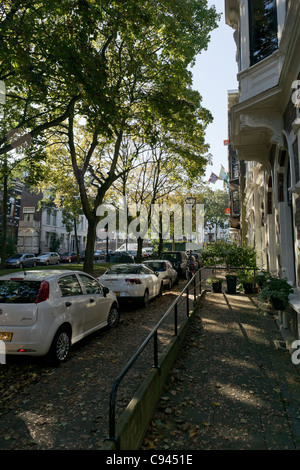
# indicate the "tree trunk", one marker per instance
pixel 76 241
pixel 161 240
pixel 4 215
pixel 139 249
pixel 88 265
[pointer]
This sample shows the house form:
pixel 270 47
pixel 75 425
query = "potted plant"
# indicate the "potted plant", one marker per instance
pixel 238 257
pixel 231 257
pixel 246 278
pixel 277 292
pixel 262 278
pixel 216 284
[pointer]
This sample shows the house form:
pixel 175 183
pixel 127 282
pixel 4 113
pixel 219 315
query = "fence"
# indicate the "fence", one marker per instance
pixel 194 286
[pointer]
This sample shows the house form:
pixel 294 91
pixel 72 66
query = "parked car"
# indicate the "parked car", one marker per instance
pixel 20 260
pixel 68 257
pixel 98 254
pixel 198 258
pixel 166 272
pixel 45 312
pixel 147 252
pixel 193 265
pixel 179 260
pixel 132 282
pixel 48 258
pixel 120 257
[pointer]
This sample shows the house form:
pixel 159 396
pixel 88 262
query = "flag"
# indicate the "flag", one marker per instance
pixel 213 178
pixel 223 174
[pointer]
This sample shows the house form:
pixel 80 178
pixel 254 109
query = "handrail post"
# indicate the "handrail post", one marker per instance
pixel 187 301
pixel 200 281
pixel 155 344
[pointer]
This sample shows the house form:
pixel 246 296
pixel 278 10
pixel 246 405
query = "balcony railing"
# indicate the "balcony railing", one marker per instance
pixel 29 224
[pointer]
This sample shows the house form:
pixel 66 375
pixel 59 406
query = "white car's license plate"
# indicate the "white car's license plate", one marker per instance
pixel 5 336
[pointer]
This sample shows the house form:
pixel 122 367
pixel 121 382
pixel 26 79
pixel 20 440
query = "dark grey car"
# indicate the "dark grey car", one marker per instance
pixel 20 260
pixel 179 260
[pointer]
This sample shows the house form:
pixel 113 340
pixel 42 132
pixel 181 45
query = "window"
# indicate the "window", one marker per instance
pixel 235 202
pixel 18 291
pixel 281 187
pixel 145 270
pixel 234 167
pixel 262 29
pixel 47 239
pixel 91 285
pixel 69 285
pixel 27 217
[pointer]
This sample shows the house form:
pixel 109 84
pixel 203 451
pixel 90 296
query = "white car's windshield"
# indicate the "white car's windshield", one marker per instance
pixel 123 270
pixel 156 266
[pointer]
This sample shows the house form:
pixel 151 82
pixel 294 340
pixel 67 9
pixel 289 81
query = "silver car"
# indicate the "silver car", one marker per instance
pixel 48 258
pixel 44 312
pixel 20 260
pixel 165 271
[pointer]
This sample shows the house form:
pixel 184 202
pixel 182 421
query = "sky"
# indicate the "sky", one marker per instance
pixel 214 74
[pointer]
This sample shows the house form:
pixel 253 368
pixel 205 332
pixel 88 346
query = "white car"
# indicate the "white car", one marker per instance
pixel 43 312
pixel 165 271
pixel 132 282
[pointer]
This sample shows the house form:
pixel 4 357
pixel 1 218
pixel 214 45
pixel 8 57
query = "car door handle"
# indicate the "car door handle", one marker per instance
pixel 68 304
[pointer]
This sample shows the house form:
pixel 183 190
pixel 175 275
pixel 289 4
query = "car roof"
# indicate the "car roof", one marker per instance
pixel 154 261
pixel 126 264
pixel 39 274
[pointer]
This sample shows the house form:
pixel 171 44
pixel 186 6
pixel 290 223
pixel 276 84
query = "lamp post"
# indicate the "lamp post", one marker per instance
pixel 191 201
pixel 210 234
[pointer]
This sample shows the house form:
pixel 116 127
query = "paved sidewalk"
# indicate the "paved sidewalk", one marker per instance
pixel 230 388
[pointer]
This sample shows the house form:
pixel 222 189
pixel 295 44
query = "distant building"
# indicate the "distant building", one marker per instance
pixel 38 227
pixel 13 211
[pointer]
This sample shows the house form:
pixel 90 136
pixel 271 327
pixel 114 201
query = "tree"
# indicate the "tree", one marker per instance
pixel 157 173
pixel 215 203
pixel 120 67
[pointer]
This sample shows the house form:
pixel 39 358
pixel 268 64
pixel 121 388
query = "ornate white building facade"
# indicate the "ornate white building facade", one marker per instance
pixel 265 131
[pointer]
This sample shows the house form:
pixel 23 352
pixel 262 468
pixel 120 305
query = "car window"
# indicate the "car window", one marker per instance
pixel 156 266
pixel 145 270
pixel 18 292
pixel 91 285
pixel 172 256
pixel 122 270
pixel 69 285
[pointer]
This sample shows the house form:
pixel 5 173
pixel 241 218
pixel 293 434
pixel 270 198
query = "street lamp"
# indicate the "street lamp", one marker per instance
pixel 191 201
pixel 210 234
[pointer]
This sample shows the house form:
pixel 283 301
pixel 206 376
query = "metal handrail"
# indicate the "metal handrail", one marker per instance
pixel 153 334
